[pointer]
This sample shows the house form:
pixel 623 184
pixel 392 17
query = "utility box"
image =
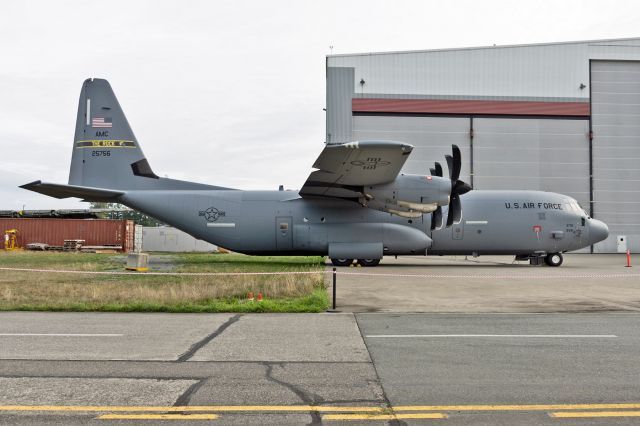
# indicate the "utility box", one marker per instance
pixel 622 244
pixel 137 262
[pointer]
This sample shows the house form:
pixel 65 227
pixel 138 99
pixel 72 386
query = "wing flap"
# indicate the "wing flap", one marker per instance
pixel 65 191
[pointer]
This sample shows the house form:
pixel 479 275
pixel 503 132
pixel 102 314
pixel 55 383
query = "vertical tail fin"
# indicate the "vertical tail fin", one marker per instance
pixel 107 160
pixel 106 153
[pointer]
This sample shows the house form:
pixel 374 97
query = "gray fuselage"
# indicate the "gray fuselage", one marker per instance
pixel 282 223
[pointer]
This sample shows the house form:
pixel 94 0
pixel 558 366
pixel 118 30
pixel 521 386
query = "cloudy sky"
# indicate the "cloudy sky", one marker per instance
pixel 229 92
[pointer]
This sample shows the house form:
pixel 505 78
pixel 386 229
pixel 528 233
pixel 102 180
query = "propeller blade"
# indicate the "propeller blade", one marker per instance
pixel 455 211
pixel 449 165
pixel 450 214
pixel 438 169
pixel 456 207
pixel 457 162
pixel 436 218
pixel 433 172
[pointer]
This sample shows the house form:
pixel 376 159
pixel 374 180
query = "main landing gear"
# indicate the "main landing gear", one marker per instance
pixel 553 259
pixel 362 262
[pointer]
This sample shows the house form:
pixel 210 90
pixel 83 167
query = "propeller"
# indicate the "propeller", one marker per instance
pixel 458 187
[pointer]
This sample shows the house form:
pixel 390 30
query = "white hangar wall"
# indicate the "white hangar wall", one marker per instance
pixel 561 117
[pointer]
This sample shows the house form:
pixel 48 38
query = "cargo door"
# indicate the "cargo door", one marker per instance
pixel 284 233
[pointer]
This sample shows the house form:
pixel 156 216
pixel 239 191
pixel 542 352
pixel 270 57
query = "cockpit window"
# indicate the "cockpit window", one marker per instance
pixel 574 206
pixel 581 210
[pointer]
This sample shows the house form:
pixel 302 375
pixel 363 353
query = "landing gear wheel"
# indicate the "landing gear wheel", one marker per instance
pixel 341 262
pixel 553 259
pixel 369 262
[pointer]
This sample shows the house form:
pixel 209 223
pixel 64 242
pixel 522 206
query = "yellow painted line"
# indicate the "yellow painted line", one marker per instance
pixel 158 417
pixel 584 414
pixel 384 416
pixel 525 407
pixel 118 408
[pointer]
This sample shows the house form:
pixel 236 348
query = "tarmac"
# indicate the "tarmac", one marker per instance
pixel 467 359
pixel 584 283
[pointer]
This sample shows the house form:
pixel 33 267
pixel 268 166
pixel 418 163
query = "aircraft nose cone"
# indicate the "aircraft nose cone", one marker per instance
pixel 598 231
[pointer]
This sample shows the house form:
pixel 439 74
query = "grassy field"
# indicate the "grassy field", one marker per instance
pixel 149 293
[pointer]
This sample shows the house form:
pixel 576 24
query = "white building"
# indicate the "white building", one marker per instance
pixel 561 117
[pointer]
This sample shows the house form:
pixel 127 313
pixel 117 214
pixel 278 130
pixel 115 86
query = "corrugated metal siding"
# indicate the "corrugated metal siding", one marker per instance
pixel 533 154
pixel 525 73
pixel 96 232
pixel 544 72
pixel 615 102
pixel 339 91
pixel 431 136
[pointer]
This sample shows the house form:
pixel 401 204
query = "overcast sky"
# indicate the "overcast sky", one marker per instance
pixel 228 92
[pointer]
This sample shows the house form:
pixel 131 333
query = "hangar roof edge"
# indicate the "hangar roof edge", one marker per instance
pixel 505 46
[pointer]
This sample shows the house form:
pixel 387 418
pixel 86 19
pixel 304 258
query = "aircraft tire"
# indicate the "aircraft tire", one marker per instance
pixel 368 262
pixel 341 262
pixel 553 259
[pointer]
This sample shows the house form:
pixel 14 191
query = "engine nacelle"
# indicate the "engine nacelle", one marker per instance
pixel 409 195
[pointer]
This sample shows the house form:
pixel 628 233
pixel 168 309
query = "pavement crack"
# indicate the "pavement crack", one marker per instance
pixel 198 345
pixel 183 400
pixel 307 398
pixel 385 398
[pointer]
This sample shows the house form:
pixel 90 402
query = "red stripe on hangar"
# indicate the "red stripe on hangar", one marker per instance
pixel 438 106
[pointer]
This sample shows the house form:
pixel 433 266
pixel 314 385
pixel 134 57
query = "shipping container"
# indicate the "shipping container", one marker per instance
pixel 95 232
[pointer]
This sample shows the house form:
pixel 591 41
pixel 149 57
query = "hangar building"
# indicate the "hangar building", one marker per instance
pixel 561 117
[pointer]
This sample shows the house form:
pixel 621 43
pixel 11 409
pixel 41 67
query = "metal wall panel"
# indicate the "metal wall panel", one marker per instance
pixel 615 100
pixel 535 154
pixel 431 136
pixel 539 72
pixel 339 93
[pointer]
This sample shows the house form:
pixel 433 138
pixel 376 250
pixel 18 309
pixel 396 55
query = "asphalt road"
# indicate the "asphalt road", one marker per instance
pixel 98 368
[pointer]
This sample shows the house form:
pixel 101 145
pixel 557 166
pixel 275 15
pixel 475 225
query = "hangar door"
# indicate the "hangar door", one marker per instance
pixel 533 154
pixel 431 136
pixel 615 115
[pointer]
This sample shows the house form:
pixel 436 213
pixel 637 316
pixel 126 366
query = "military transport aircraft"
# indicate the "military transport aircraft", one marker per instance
pixel 357 205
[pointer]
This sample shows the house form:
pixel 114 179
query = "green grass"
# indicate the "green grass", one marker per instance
pixel 148 293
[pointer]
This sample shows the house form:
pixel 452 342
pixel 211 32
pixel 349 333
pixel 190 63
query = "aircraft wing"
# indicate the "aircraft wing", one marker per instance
pixel 343 169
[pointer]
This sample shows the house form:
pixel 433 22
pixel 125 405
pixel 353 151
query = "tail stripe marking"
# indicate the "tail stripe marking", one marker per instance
pixel 101 143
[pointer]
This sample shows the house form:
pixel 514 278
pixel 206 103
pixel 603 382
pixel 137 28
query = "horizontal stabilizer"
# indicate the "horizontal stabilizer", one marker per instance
pixel 65 191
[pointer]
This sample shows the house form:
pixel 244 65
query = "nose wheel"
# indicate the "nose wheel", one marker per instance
pixel 553 259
